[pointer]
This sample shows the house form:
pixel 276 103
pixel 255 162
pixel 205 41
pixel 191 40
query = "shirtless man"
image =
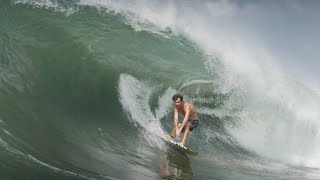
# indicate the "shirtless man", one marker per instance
pixel 190 120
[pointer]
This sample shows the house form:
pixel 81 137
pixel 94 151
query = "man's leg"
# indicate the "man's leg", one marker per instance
pixel 186 133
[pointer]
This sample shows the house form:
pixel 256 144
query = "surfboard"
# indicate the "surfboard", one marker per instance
pixel 184 149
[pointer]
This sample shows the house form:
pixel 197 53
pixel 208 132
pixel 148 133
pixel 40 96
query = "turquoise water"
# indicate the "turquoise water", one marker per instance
pixel 85 93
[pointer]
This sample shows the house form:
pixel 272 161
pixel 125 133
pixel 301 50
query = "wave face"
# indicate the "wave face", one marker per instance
pixel 86 87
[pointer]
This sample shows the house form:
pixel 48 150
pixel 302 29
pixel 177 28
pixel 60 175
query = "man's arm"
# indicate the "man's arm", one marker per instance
pixel 175 117
pixel 186 117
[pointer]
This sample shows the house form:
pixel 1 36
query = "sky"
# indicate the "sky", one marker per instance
pixel 291 29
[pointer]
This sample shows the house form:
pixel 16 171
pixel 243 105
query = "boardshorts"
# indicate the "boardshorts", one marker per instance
pixel 194 123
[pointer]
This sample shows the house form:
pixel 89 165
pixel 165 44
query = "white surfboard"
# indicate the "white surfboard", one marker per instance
pixel 171 142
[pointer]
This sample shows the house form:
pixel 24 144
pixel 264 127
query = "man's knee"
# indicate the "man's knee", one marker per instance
pixel 179 125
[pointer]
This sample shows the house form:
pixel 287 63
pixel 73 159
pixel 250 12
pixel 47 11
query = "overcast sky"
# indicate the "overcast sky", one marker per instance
pixel 292 30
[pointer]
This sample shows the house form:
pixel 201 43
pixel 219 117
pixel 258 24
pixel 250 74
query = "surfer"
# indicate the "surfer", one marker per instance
pixel 189 122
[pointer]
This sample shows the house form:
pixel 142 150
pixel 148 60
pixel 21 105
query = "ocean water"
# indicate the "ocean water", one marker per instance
pixel 86 87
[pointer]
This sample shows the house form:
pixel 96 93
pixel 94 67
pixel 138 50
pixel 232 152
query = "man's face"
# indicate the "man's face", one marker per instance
pixel 177 102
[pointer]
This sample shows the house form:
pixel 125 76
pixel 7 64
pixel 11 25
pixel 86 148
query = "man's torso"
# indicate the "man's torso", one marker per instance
pixel 193 114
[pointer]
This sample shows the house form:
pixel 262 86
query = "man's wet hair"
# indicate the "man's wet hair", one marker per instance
pixel 177 96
